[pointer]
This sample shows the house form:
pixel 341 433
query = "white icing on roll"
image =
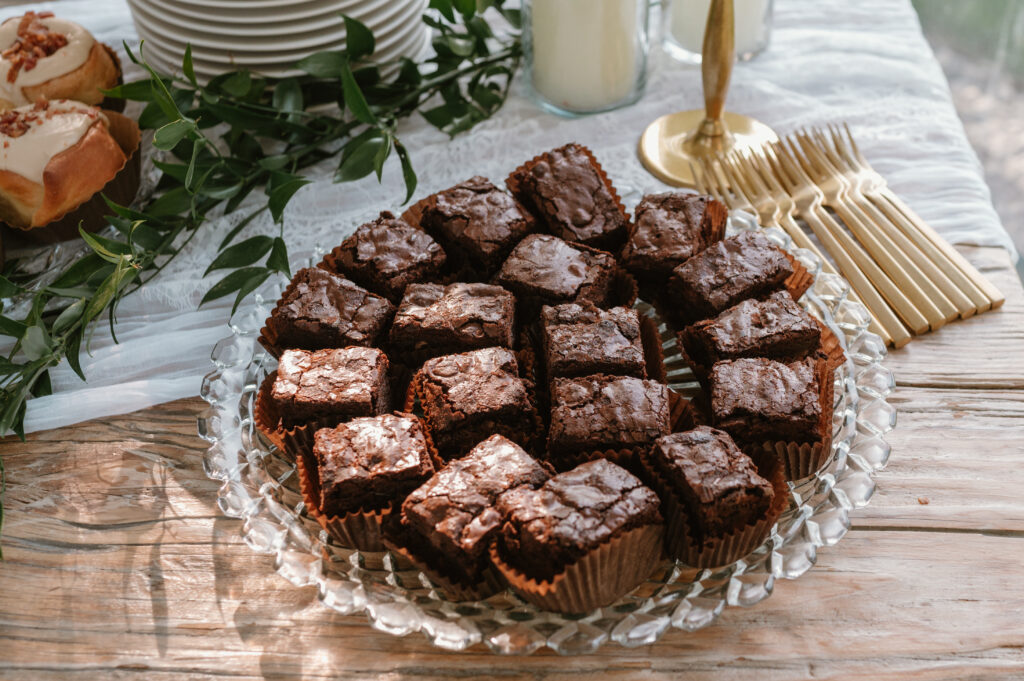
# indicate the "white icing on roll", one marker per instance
pixel 52 131
pixel 65 60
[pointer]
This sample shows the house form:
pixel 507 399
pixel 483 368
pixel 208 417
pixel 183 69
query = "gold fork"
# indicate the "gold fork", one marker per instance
pixel 936 308
pixel 973 283
pixel 930 261
pixel 850 258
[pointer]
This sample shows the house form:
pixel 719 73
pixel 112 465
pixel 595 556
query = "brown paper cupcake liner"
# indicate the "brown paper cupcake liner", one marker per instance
pixel 291 441
pixel 356 530
pixel 92 213
pixel 404 544
pixel 625 457
pixel 831 348
pixel 599 578
pixel 681 541
pixel 801 280
pixel 682 413
pixel 114 104
pixel 803 459
pixel 512 182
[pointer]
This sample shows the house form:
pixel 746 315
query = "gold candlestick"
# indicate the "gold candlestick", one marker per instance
pixel 670 144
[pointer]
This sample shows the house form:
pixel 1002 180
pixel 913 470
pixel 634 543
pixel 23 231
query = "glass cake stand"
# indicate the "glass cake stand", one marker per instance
pixel 260 488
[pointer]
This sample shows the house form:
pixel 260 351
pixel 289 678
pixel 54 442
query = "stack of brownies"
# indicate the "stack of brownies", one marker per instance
pixel 469 386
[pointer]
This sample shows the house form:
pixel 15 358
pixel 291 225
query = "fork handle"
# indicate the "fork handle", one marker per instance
pixel 912 224
pixel 875 303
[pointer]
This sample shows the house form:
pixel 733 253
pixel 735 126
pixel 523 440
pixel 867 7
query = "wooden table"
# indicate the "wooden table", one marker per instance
pixel 120 565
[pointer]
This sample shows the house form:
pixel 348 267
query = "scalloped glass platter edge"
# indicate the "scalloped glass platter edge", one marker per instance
pixel 260 488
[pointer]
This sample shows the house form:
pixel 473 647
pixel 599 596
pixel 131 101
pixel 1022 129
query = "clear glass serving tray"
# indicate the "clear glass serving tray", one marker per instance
pixel 260 488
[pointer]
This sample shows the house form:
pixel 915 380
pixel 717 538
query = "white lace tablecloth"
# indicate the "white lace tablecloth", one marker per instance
pixel 864 62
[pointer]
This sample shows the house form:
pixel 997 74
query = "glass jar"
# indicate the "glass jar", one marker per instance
pixel 585 56
pixel 685 21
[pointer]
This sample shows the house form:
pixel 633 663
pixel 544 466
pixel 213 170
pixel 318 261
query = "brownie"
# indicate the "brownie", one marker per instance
pixel 371 462
pixel 546 270
pixel 776 328
pixel 669 229
pixel 758 400
pixel 468 396
pixel 566 190
pixel 438 320
pixel 454 511
pixel 478 221
pixel 740 267
pixel 606 412
pixel 718 484
pixel 332 384
pixel 570 515
pixel 580 339
pixel 322 310
pixel 387 255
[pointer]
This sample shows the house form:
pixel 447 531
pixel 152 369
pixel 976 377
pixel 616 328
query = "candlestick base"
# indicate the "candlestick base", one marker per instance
pixel 670 144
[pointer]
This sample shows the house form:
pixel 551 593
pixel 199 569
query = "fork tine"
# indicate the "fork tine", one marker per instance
pixel 710 181
pixel 698 178
pixel 732 176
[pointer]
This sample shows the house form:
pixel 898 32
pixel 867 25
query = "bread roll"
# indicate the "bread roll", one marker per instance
pixel 53 157
pixel 43 56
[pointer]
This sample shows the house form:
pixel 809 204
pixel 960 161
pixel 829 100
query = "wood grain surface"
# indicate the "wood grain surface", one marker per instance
pixel 120 565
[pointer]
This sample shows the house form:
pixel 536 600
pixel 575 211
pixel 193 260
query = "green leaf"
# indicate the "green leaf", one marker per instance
pixel 465 7
pixel 408 174
pixel 197 145
pixel 79 271
pixel 7 367
pixel 72 347
pixel 445 8
pixel 323 64
pixel 186 66
pixel 354 100
pixel 281 195
pixel 69 316
pixel 409 73
pixel 248 287
pixel 36 343
pixel 359 40
pixel 382 155
pixel 139 91
pixel 274 162
pixel 241 254
pixel 231 283
pixel 8 288
pixel 42 386
pixel 12 328
pixel 219 191
pixel 102 249
pixel 278 260
pixel 463 47
pixel 359 162
pixel 239 84
pixel 288 96
pixel 168 136
pixel 440 116
pixel 172 202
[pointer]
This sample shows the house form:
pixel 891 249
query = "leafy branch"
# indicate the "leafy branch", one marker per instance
pixel 227 140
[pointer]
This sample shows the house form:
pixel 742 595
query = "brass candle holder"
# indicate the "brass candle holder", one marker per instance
pixel 671 144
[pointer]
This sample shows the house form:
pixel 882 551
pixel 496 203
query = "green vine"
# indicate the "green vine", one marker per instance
pixel 237 135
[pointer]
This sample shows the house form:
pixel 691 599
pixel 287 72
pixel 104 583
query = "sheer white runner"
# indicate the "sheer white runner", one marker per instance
pixel 830 60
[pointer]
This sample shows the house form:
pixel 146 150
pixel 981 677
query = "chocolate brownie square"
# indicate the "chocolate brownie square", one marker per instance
pixel 546 270
pixel 758 400
pixel 567 191
pixel 775 327
pixel 580 339
pixel 452 516
pixel 439 320
pixel 370 462
pixel 387 255
pixel 669 229
pixel 606 412
pixel 334 384
pixel 718 484
pixel 478 221
pixel 734 269
pixel 468 396
pixel 322 310
pixel 572 514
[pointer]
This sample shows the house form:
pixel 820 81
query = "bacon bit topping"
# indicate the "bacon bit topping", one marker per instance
pixel 15 123
pixel 34 42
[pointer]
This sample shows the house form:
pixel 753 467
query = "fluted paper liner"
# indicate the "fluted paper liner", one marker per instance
pixel 114 103
pixel 802 460
pixel 654 356
pixel 801 280
pixel 290 441
pixel 121 189
pixel 401 542
pixel 680 537
pixel 599 578
pixel 357 529
pixel 512 182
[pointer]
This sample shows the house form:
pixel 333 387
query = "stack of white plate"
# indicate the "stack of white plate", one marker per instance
pixel 270 36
